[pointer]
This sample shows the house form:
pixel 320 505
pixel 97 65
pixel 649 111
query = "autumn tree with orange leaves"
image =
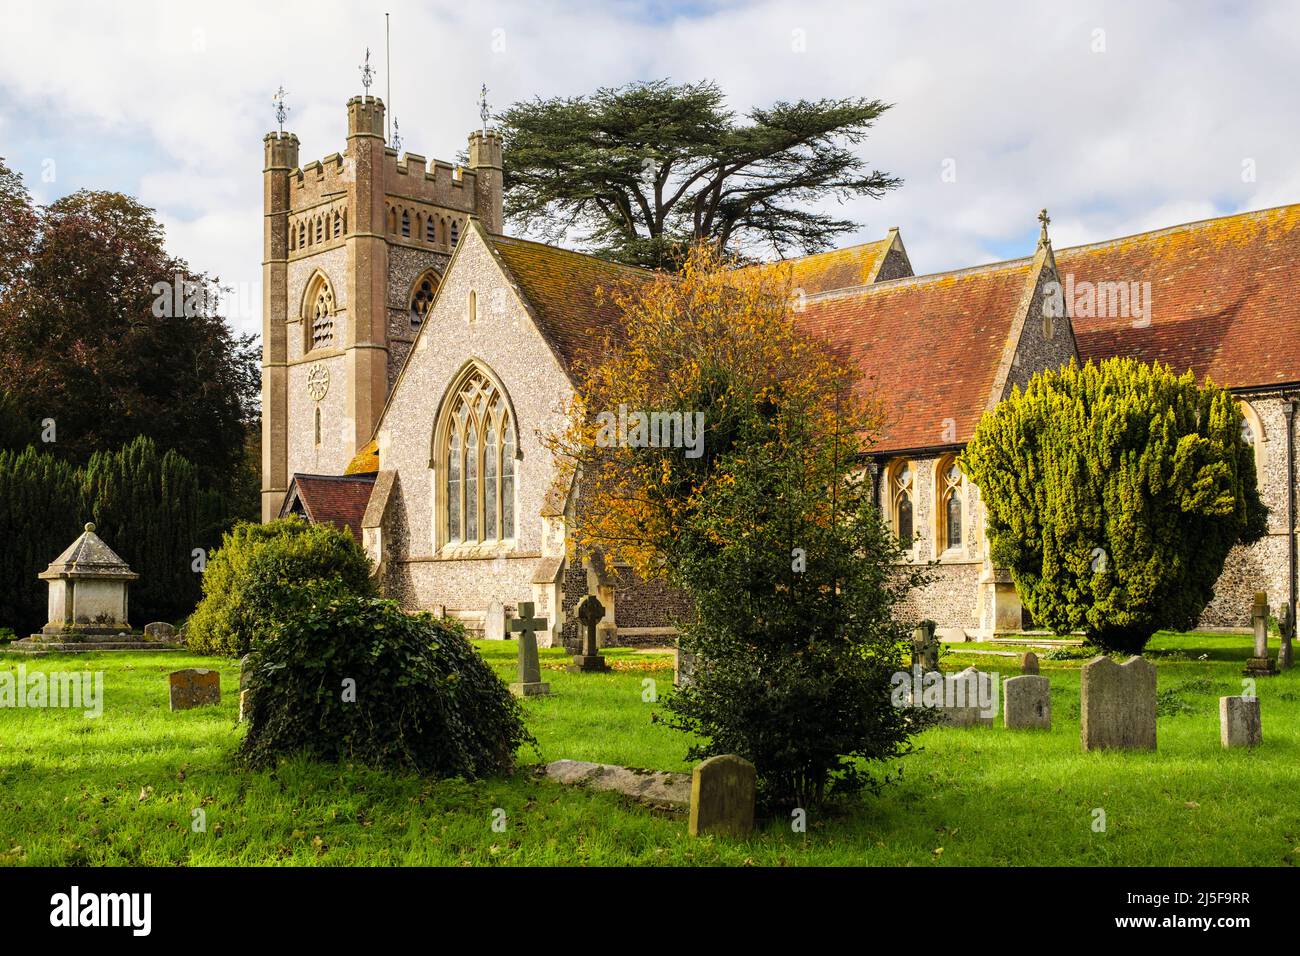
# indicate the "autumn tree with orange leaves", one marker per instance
pixel 721 447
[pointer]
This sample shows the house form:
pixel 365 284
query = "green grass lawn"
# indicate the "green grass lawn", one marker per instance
pixel 123 788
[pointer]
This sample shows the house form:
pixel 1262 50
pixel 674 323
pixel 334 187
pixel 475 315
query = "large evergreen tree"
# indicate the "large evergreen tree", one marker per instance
pixel 640 172
pixel 1114 493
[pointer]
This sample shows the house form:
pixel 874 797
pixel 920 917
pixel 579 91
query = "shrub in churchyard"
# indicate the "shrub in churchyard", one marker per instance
pixel 1113 494
pixel 252 577
pixel 768 523
pixel 346 677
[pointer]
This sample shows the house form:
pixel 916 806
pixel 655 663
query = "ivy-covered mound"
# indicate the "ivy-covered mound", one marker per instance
pixel 252 577
pixel 344 677
pixel 1114 493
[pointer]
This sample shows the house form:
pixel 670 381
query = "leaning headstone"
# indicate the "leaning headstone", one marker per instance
pixel 1027 702
pixel 194 688
pixel 590 613
pixel 530 683
pixel 722 797
pixel 970 699
pixel 1239 723
pixel 1260 665
pixel 925 647
pixel 1117 704
pixel 159 631
pixel 1029 663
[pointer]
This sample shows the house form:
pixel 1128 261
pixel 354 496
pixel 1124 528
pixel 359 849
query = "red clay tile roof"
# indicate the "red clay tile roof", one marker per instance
pixel 1225 297
pixel 570 294
pixel 331 499
pixel 837 269
pixel 928 347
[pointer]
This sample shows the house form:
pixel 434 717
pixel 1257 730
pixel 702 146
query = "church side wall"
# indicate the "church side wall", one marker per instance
pixel 1261 566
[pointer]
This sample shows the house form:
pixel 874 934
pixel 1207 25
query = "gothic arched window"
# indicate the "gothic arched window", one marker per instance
pixel 476 441
pixel 338 224
pixel 422 298
pixel 949 510
pixel 406 224
pixel 900 487
pixel 319 314
pixel 431 229
pixel 302 234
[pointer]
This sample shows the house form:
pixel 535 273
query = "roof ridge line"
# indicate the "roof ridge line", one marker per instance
pixel 1177 226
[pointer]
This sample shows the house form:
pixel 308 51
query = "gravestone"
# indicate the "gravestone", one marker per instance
pixel 245 705
pixel 494 622
pixel 1117 705
pixel 1239 723
pixel 1259 665
pixel 970 699
pixel 590 613
pixel 1286 627
pixel 530 682
pixel 683 666
pixel 196 687
pixel 1029 663
pixel 722 797
pixel 159 631
pixel 1027 703
pixel 925 647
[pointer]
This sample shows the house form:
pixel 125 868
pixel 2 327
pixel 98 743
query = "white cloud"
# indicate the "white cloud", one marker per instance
pixel 1152 131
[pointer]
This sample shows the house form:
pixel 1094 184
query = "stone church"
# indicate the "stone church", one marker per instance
pixel 414 356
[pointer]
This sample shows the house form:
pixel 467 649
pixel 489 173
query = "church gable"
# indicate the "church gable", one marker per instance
pixel 483 384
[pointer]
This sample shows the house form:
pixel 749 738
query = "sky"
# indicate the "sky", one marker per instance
pixel 1115 116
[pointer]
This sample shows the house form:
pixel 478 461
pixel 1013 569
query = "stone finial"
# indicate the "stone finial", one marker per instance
pixel 1043 238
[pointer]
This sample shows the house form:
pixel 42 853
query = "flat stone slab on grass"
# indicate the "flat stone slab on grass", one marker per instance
pixel 658 788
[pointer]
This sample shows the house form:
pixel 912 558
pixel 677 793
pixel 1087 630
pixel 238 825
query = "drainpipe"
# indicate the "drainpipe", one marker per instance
pixel 1288 412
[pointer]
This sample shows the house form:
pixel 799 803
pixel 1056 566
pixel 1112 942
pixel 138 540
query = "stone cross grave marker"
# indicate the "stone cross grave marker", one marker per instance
pixel 530 682
pixel 1117 705
pixel 722 797
pixel 1260 665
pixel 590 613
pixel 194 688
pixel 1239 723
pixel 1027 702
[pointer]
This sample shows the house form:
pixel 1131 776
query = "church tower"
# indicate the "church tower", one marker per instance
pixel 354 247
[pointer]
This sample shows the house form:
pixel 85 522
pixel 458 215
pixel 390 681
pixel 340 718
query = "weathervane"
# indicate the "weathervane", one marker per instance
pixel 281 111
pixel 483 112
pixel 1042 236
pixel 367 74
pixel 397 135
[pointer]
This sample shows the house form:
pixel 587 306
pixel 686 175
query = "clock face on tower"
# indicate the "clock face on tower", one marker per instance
pixel 318 381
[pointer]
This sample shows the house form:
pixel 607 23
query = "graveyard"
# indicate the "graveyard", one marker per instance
pixel 133 786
